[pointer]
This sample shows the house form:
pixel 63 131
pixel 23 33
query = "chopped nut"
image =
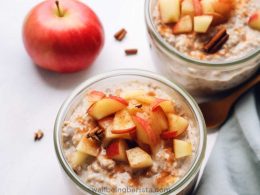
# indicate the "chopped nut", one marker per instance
pixel 38 135
pixel 120 35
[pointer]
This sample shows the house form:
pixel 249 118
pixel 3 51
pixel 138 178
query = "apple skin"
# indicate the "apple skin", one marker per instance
pixel 63 44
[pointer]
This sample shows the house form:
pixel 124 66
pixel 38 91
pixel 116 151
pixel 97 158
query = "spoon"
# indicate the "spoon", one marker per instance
pixel 216 112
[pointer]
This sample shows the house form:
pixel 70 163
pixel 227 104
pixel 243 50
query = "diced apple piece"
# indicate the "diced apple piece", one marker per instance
pixel 197 7
pixel 254 21
pixel 207 6
pixel 166 105
pixel 165 182
pixel 78 158
pixel 202 23
pixel 131 94
pixel 184 25
pixel 168 134
pixel 107 125
pixel 106 122
pixel 107 106
pixel 181 148
pixel 94 96
pixel 177 124
pixel 117 150
pixel 223 8
pixel 170 10
pixel 88 146
pixel 122 122
pixel 138 158
pixel 187 8
pixel 217 18
pixel 140 96
pixel 144 131
pixel 159 120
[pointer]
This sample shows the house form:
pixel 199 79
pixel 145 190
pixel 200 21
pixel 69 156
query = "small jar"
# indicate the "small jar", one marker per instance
pixel 199 77
pixel 102 82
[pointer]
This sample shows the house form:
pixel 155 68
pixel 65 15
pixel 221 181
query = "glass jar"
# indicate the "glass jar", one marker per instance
pixel 197 76
pixel 106 80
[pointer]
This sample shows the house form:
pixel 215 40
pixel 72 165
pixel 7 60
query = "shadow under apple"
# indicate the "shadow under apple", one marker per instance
pixel 63 81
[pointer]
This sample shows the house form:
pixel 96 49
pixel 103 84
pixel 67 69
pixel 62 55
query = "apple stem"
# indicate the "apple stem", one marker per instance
pixel 59 10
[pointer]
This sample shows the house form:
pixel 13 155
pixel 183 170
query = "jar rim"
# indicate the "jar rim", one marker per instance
pixel 193 170
pixel 169 48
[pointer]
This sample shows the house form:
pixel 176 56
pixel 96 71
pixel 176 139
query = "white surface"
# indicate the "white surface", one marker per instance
pixel 30 97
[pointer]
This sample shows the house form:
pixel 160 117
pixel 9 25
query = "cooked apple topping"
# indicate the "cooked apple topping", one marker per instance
pixel 133 127
pixel 195 15
pixel 254 20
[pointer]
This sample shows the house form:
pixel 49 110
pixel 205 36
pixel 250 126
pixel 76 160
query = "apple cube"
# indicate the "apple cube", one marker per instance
pixel 181 148
pixel 166 105
pixel 140 96
pixel 94 96
pixel 107 125
pixel 144 131
pixel 187 8
pixel 254 21
pixel 138 158
pixel 223 8
pixel 197 7
pixel 177 124
pixel 170 10
pixel 88 146
pixel 117 150
pixel 202 23
pixel 183 26
pixel 207 6
pixel 159 121
pixel 78 158
pixel 123 122
pixel 107 106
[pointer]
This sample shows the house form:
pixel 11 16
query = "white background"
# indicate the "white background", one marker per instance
pixel 30 97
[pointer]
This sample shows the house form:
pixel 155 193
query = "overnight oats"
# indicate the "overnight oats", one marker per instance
pixel 206 45
pixel 131 138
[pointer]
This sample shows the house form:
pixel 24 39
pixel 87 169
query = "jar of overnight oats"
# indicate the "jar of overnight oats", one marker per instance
pixel 182 56
pixel 153 135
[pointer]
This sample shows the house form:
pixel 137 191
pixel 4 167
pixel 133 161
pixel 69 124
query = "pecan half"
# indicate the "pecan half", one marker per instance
pixel 217 41
pixel 120 35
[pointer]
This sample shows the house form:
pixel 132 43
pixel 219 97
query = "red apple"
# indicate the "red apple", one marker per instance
pixel 63 36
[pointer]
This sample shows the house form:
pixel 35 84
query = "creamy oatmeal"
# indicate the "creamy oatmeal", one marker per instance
pixel 139 138
pixel 242 38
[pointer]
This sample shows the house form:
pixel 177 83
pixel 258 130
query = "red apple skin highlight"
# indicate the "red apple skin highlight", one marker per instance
pixel 67 43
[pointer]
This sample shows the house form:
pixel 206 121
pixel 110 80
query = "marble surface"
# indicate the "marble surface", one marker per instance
pixel 30 97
